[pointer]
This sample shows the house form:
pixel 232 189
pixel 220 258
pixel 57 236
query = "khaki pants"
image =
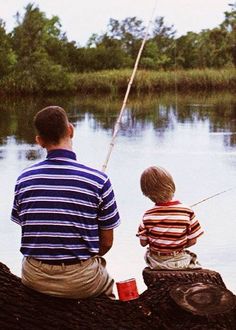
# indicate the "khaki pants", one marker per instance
pixel 182 260
pixel 86 279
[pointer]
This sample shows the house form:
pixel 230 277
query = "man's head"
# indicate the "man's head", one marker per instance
pixel 157 184
pixel 52 126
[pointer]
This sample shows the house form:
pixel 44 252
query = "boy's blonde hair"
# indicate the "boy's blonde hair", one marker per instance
pixel 157 184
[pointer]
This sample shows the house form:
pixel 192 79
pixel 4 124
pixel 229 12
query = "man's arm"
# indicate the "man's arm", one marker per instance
pixel 106 241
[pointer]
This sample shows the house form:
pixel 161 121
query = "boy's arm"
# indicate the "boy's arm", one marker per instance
pixel 143 242
pixel 142 234
pixel 194 230
pixel 191 242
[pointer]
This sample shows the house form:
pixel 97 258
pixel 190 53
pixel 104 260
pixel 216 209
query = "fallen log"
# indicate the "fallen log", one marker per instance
pixel 159 307
pixel 192 299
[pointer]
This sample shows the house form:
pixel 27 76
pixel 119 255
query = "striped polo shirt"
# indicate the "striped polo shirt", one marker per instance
pixel 61 205
pixel 169 226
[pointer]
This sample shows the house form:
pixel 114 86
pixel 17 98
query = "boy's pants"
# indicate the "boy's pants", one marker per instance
pixel 182 260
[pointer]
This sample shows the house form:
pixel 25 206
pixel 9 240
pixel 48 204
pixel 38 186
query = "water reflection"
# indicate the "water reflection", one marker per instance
pixel 161 111
pixel 192 135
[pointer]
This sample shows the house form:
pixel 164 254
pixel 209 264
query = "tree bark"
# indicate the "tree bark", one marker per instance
pixel 25 309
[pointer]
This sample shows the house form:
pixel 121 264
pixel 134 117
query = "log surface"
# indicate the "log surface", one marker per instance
pixel 24 309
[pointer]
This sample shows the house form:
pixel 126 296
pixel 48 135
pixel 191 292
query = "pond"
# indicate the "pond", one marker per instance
pixel 193 136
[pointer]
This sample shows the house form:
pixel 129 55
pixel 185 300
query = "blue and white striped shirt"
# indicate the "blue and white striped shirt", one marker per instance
pixel 61 205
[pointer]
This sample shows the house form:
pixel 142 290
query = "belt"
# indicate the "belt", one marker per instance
pixel 60 262
pixel 171 253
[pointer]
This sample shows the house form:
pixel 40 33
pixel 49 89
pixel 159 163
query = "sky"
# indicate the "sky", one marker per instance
pixel 81 18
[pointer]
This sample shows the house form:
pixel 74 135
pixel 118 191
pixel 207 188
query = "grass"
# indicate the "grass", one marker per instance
pixel 115 81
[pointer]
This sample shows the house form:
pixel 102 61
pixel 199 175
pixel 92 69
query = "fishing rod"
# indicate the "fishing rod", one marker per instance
pixel 201 201
pixel 118 121
pixel 212 196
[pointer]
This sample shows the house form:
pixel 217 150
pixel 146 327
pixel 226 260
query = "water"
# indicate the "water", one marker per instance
pixel 193 136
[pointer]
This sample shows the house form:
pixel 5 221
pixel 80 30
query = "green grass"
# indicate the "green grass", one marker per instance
pixel 114 81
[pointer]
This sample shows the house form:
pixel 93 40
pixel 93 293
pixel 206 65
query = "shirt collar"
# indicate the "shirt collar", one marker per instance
pixel 61 153
pixel 169 203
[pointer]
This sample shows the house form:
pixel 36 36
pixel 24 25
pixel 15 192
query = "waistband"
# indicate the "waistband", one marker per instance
pixel 59 262
pixel 171 253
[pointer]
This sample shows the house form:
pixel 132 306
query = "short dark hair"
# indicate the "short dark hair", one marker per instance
pixel 51 124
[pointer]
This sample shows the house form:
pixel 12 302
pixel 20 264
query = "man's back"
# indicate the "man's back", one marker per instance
pixel 61 205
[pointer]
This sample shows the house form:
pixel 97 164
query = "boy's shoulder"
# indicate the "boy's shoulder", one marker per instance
pixel 170 207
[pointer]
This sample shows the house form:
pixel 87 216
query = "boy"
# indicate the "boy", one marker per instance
pixel 169 227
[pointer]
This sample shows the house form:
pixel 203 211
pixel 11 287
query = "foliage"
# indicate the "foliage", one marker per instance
pixel 163 40
pixel 39 45
pixel 229 25
pixel 36 57
pixel 7 56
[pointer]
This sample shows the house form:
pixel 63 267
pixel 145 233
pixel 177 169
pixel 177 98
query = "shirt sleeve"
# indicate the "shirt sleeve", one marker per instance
pixel 194 229
pixel 142 232
pixel 14 213
pixel 108 216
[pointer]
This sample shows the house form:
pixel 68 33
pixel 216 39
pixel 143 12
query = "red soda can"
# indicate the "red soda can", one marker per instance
pixel 127 290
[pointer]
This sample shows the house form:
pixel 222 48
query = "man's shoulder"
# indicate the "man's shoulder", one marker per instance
pixel 71 165
pixel 31 168
pixel 92 172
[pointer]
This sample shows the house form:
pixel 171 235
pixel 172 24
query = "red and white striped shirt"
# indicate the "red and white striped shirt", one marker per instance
pixel 169 227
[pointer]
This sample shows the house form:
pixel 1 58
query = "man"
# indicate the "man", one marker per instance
pixel 67 212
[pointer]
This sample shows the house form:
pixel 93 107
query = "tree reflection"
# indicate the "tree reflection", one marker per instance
pixel 162 112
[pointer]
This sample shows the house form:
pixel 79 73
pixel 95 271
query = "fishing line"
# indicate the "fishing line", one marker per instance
pixel 118 121
pixel 217 194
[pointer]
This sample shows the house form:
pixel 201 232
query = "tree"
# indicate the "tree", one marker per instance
pixel 38 44
pixel 125 35
pixel 213 48
pixel 128 31
pixel 163 36
pixel 149 59
pixel 229 25
pixel 7 56
pixel 118 46
pixel 186 51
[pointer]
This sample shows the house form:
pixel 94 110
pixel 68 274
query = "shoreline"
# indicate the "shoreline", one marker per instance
pixel 116 81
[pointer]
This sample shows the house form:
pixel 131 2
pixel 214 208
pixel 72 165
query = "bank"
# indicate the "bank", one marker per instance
pixel 116 81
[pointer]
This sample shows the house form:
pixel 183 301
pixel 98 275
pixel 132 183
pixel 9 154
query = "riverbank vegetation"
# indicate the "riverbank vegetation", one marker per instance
pixel 114 81
pixel 37 57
